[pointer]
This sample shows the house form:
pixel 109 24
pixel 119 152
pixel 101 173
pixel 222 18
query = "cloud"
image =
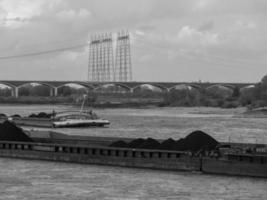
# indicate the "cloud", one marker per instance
pixel 192 36
pixel 206 26
pixel 168 35
pixel 72 14
pixel 18 13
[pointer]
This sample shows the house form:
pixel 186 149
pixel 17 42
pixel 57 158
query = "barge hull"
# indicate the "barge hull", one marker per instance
pixel 234 168
pixel 140 158
pixel 103 156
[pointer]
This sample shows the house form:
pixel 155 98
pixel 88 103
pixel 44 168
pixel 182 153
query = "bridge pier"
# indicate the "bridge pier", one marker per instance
pixel 15 92
pixel 55 91
pixel 51 92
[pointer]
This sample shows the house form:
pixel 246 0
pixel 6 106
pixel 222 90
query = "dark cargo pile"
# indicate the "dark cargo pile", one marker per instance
pixel 10 132
pixel 2 115
pixel 41 115
pixel 195 141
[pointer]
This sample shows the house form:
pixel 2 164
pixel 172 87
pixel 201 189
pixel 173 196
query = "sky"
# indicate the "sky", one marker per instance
pixel 171 40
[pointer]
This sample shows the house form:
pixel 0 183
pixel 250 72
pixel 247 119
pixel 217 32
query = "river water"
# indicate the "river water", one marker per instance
pixel 25 179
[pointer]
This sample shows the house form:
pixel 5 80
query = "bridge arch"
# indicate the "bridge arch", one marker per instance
pixel 36 83
pixel 83 84
pixel 7 84
pixel 247 90
pixel 151 87
pixel 188 87
pixel 220 90
pixel 59 89
pixel 113 87
pixel 11 87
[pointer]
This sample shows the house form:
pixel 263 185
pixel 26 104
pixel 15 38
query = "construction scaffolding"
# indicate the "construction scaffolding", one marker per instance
pixel 123 69
pixel 101 58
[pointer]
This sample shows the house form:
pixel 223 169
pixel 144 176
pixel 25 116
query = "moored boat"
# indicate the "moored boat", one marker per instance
pixel 77 119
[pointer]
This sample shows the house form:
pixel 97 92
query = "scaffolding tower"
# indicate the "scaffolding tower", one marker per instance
pixel 101 59
pixel 123 67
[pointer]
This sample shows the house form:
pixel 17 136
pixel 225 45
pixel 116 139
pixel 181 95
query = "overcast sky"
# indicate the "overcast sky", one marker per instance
pixel 172 40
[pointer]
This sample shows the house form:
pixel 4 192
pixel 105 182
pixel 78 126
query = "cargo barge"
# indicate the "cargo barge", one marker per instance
pixel 58 120
pixel 196 152
pixel 229 164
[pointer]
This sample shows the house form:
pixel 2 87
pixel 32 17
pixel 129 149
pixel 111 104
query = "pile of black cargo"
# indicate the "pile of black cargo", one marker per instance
pixel 40 115
pixel 10 132
pixel 195 141
pixel 33 115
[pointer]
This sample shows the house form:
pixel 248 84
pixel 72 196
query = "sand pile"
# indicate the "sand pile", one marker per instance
pixel 195 141
pixel 10 132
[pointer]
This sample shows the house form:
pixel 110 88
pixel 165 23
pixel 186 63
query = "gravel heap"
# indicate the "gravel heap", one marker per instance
pixel 10 132
pixel 195 141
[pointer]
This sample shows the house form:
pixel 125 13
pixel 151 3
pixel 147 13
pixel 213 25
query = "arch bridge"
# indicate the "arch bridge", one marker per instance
pixel 128 86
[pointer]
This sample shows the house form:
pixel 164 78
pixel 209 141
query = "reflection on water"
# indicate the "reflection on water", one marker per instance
pixel 24 179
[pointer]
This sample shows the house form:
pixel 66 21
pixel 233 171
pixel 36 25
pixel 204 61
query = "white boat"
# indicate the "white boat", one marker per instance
pixel 77 119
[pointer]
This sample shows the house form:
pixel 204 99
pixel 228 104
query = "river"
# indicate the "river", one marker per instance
pixel 25 179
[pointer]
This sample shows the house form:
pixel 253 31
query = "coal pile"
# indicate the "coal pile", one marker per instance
pixel 181 145
pixel 15 116
pixel 120 144
pixel 139 143
pixel 149 143
pixel 194 142
pixel 2 115
pixel 168 144
pixel 136 143
pixel 40 115
pixel 199 140
pixel 10 132
pixel 32 115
